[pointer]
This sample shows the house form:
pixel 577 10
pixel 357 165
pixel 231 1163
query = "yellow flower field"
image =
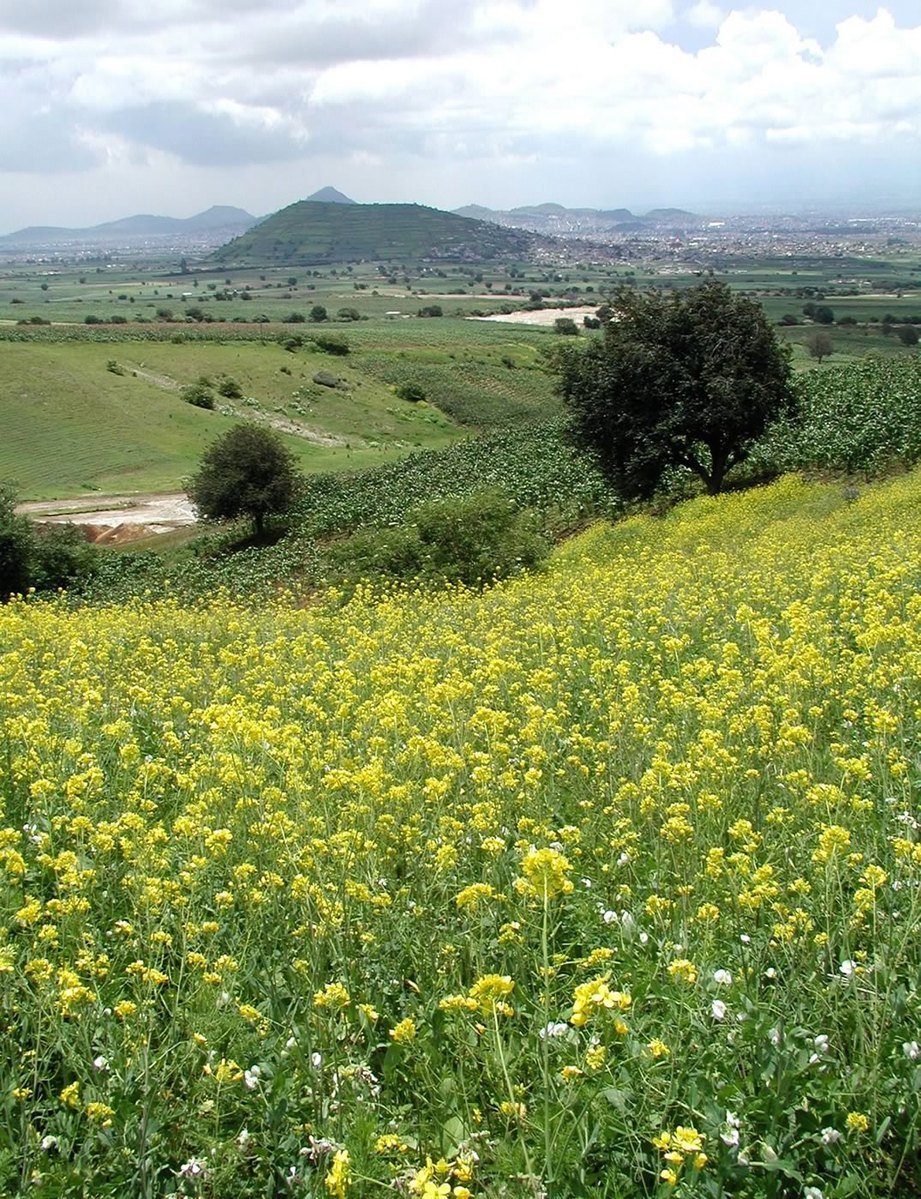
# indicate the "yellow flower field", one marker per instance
pixel 603 882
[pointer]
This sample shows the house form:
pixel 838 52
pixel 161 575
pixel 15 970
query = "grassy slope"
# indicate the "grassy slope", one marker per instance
pixel 71 424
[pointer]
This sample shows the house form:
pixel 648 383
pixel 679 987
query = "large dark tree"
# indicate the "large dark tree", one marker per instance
pixel 249 471
pixel 687 379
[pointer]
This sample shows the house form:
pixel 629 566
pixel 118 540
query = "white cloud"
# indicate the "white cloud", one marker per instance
pixel 490 83
pixel 705 15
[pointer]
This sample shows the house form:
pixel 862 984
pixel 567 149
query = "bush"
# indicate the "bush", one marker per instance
pixel 474 540
pixel 294 318
pixel 566 326
pixel 17 546
pixel 318 314
pixel 230 389
pixel 45 559
pixel 198 395
pixel 907 335
pixel 431 310
pixel 63 557
pixel 331 343
pixel 411 392
pixel 325 379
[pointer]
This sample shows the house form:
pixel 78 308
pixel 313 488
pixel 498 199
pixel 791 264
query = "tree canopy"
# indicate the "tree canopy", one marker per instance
pixel 689 379
pixel 248 471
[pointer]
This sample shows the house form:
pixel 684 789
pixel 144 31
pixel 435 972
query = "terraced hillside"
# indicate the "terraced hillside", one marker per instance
pixel 313 232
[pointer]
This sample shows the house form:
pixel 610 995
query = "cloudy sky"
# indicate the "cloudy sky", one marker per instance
pixel 110 107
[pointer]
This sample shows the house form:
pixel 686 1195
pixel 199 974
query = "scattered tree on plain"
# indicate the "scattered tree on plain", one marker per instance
pixel 248 471
pixel 819 345
pixel 686 380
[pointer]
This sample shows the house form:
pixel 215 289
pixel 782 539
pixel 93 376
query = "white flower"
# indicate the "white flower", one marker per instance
pixel 745 939
pixel 821 1042
pixel 100 1063
pixel 911 1050
pixel 718 1009
pixel 644 938
pixel 812 1193
pixel 193 1168
pixel 847 967
pixel 623 859
pixel 774 1037
pixel 251 1078
pixel 316 1060
pixel 723 977
pixel 609 917
pixel 770 972
pixel 49 1143
pixel 730 1134
pixel 627 921
pixel 243 1138
pixel 830 1136
pixel 556 1028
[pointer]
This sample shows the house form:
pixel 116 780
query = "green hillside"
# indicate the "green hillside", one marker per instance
pixel 313 232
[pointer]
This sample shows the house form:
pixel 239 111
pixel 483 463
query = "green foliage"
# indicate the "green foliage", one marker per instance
pixel 318 314
pixel 17 546
pixel 907 335
pixel 412 392
pixel 819 344
pixel 39 558
pixel 249 471
pixel 566 326
pixel 431 310
pixel 199 395
pixel 230 389
pixel 862 417
pixel 331 343
pixel 474 540
pixel 688 380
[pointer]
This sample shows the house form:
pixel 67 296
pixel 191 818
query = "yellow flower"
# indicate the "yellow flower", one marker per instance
pixel 334 996
pixel 545 874
pixel 404 1032
pixel 339 1175
pixel 683 970
pixel 596 996
pixel 70 1096
pixel 857 1122
pixel 658 1048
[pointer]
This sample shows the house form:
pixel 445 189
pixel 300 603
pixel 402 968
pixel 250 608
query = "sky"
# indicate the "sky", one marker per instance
pixel 114 107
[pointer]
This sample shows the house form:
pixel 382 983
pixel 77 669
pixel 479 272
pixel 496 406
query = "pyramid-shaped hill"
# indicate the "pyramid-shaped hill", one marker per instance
pixel 314 232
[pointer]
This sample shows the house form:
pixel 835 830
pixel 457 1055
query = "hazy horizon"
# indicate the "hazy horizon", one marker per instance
pixel 115 109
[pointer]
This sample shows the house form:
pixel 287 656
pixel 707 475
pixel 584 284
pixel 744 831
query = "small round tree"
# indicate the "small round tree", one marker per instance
pixel 248 471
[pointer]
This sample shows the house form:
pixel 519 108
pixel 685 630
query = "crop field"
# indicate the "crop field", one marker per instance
pixel 603 882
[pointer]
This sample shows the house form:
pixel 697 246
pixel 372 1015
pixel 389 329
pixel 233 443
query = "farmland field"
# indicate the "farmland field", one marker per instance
pixel 597 883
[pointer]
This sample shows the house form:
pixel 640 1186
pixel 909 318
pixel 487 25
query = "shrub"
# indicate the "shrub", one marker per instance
pixel 230 389
pixel 412 392
pixel 198 395
pixel 331 343
pixel 474 540
pixel 566 326
pixel 431 310
pixel 326 379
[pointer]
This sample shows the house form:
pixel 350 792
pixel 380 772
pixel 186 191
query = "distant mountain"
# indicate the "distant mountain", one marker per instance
pixel 329 195
pixel 554 220
pixel 220 218
pixel 312 231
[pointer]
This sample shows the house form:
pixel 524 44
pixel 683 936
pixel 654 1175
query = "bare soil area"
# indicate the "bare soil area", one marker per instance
pixel 113 519
pixel 540 316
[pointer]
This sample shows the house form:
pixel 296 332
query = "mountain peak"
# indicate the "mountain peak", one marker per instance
pixel 329 195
